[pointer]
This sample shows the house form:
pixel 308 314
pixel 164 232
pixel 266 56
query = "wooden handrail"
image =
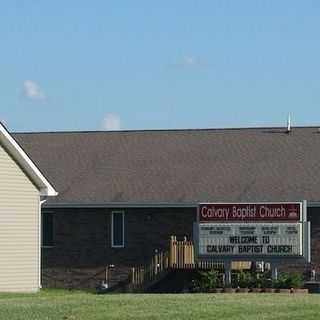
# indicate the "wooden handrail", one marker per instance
pixel 179 256
pixel 182 256
pixel 142 275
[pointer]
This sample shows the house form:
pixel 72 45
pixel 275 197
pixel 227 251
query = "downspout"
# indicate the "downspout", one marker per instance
pixel 41 202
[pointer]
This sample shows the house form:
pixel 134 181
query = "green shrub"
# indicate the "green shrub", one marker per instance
pixel 288 280
pixel 249 279
pixel 281 282
pixel 246 280
pixel 207 280
pixel 265 281
pixel 296 280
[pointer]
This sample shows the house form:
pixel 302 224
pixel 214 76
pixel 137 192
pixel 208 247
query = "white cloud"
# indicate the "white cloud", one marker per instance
pixel 111 122
pixel 32 91
pixel 188 63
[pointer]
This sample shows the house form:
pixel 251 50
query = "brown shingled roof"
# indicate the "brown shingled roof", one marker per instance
pixel 179 166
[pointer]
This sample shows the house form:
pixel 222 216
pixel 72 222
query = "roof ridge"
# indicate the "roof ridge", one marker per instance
pixel 162 130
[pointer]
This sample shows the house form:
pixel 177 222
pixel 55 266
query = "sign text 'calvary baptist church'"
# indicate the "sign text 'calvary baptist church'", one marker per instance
pixel 250 212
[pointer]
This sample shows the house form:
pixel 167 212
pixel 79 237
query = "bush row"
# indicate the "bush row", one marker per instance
pixel 206 281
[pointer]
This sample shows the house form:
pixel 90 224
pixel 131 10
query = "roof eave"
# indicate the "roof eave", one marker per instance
pixel 48 192
pixel 14 149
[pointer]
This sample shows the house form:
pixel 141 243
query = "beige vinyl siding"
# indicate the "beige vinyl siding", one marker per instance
pixel 19 228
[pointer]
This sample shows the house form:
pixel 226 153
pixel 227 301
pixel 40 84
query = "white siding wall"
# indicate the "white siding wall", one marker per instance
pixel 19 228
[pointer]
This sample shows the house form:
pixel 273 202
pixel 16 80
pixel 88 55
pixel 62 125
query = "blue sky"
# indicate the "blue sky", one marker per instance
pixel 90 65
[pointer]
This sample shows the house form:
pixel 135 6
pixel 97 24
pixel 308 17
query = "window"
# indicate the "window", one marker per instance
pixel 47 229
pixel 117 229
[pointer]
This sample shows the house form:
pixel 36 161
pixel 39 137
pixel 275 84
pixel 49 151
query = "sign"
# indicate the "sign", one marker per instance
pixel 262 230
pixel 251 212
pixel 250 239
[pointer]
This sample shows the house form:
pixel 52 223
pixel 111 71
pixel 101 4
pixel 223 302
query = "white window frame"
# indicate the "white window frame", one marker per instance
pixel 123 230
pixel 41 234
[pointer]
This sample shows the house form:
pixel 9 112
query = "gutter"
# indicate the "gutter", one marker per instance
pixel 124 205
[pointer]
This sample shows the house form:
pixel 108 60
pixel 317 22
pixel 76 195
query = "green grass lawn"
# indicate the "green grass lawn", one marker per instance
pixel 65 305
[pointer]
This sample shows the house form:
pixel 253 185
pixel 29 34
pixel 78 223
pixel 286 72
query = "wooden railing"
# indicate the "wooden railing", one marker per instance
pixel 181 253
pixel 179 256
pixel 182 256
pixel 143 275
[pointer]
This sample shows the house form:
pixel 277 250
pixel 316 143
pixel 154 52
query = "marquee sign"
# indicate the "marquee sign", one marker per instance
pixel 276 212
pixel 254 239
pixel 270 230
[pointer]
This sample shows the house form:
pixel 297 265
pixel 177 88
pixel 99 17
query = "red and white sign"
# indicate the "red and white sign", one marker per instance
pixel 228 212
